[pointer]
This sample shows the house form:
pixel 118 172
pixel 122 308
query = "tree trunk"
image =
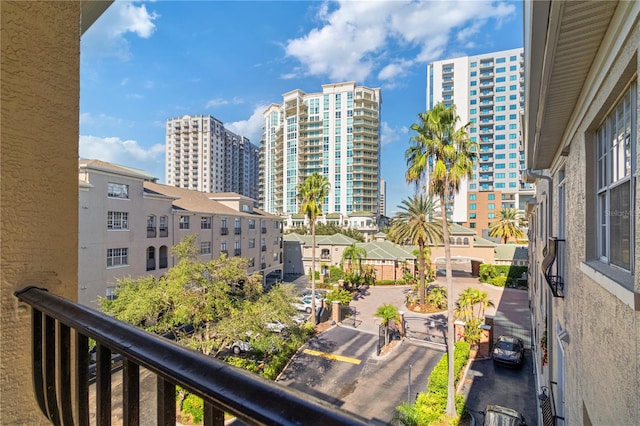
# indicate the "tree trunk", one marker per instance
pixel 313 272
pixel 451 400
pixel 421 272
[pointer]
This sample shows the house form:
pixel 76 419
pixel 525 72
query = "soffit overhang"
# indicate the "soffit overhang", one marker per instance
pixel 91 11
pixel 561 41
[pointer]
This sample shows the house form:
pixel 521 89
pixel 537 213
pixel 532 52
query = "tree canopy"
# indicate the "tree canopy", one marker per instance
pixel 508 225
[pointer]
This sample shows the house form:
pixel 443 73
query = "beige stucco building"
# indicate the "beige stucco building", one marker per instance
pixel 128 224
pixel 581 135
pixel 39 77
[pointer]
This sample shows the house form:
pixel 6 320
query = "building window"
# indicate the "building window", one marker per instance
pixel 616 145
pixel 117 220
pixel 184 222
pixel 151 258
pixel 472 197
pixel 117 257
pixel 164 226
pixel 252 224
pixel 205 247
pixel 117 190
pixel 205 222
pixel 252 242
pixel 111 293
pixel 472 225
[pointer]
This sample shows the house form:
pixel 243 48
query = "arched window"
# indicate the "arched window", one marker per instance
pixel 151 258
pixel 458 241
pixel 466 241
pixel 164 260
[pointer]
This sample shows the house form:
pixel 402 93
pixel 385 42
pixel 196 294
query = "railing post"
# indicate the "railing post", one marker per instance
pixel 166 403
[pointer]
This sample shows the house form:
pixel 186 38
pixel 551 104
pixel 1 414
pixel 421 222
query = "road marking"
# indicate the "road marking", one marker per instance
pixel 332 356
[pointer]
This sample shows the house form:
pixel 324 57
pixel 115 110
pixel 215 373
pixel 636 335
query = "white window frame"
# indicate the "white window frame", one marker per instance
pixel 118 190
pixel 117 221
pixel 252 243
pixel 205 247
pixel 616 141
pixel 117 257
pixel 206 222
pixel 184 222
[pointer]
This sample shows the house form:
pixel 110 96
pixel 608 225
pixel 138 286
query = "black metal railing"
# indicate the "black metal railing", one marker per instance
pixel 224 231
pixel 58 373
pixel 237 252
pixel 263 248
pixel 237 231
pixel 553 266
pixel 264 230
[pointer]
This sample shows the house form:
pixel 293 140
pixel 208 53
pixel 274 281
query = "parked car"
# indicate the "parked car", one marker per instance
pixel 240 346
pixel 304 304
pixel 276 326
pixel 495 415
pixel 508 351
pixel 300 319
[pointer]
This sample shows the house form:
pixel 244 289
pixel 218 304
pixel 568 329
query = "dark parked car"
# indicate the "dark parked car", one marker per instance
pixel 508 350
pixel 495 415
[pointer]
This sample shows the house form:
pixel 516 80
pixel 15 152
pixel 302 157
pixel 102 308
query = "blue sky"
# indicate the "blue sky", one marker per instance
pixel 145 62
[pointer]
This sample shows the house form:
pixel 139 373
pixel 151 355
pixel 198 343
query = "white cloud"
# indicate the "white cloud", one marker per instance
pixel 214 103
pixel 355 36
pixel 250 128
pixel 124 152
pixel 134 96
pixel 103 119
pixel 107 36
pixel 388 134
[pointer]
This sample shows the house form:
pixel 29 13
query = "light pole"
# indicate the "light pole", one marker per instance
pixel 409 387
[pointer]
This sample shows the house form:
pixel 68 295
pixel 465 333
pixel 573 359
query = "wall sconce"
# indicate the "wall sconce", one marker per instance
pixel 544 395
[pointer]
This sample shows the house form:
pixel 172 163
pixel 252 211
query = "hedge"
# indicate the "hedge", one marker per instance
pixel 430 407
pixel 501 275
pixel 389 282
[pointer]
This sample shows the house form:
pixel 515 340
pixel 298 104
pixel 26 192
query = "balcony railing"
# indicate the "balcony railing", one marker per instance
pixel 553 266
pixel 224 231
pixel 237 252
pixel 58 373
pixel 263 248
pixel 264 230
pixel 237 231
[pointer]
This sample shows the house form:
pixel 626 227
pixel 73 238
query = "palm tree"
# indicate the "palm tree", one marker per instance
pixel 472 304
pixel 415 223
pixel 311 194
pixel 508 225
pixel 386 313
pixel 443 156
pixel 437 296
pixel 354 256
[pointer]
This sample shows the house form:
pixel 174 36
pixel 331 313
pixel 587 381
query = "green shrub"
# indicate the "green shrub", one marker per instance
pixel 389 282
pixel 498 281
pixel 341 295
pixel 193 406
pixel 335 273
pixel 430 407
pixel 511 274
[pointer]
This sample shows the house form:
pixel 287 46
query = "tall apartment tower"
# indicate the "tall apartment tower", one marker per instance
pixel 488 92
pixel 336 133
pixel 383 197
pixel 202 155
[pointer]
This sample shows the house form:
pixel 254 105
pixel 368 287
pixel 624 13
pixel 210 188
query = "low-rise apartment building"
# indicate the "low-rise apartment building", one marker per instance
pixel 128 224
pixel 582 144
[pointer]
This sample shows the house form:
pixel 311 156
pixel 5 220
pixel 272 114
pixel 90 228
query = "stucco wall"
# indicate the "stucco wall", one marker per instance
pixel 602 364
pixel 38 178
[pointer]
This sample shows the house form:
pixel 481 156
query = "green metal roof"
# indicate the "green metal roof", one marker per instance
pixel 321 240
pixel 511 251
pixel 385 250
pixel 482 242
pixel 461 230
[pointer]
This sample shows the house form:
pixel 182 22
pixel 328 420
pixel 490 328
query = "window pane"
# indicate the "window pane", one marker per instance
pixel 620 221
pixel 602 222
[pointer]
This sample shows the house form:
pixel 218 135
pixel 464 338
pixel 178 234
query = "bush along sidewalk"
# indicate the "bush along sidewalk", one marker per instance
pixel 501 275
pixel 430 407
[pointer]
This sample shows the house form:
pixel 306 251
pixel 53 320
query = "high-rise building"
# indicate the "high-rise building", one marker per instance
pixel 488 92
pixel 383 197
pixel 336 133
pixel 202 155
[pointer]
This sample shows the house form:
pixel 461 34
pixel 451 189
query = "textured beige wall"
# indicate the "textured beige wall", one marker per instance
pixel 602 362
pixel 39 82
